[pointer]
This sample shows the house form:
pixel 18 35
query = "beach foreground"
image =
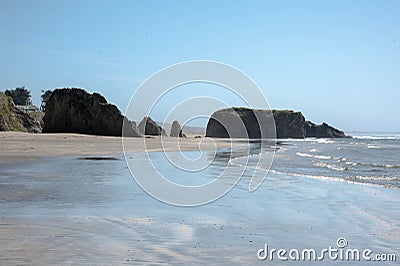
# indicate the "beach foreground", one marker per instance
pixel 71 209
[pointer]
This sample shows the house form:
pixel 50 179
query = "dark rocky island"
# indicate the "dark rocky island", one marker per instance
pixel 289 124
pixel 77 111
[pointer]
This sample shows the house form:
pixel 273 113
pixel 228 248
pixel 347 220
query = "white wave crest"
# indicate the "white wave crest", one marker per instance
pixel 321 157
pixel 359 180
pixel 301 154
pixel 331 166
pixel 378 137
pixel 374 147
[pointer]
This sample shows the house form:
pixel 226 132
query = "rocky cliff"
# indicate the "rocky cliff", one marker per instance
pixel 77 111
pixel 13 119
pixel 289 124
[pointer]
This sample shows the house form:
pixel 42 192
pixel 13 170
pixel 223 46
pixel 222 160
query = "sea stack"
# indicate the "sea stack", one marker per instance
pixel 176 130
pixel 149 127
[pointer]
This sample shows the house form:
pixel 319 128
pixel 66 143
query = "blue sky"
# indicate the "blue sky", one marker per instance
pixel 336 61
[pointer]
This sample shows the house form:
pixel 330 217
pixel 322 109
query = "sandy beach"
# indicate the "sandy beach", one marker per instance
pixel 56 207
pixel 19 146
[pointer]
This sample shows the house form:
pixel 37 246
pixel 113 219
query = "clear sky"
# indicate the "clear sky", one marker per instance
pixel 336 61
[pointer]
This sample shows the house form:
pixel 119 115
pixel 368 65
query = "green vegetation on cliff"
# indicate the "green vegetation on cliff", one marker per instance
pixel 8 120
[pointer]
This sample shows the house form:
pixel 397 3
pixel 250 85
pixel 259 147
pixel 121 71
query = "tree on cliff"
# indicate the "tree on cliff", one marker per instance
pixel 45 97
pixel 20 96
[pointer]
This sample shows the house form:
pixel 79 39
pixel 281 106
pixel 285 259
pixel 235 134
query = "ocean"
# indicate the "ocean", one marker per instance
pixel 363 159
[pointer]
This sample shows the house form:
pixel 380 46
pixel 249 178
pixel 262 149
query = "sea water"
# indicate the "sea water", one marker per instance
pixel 369 160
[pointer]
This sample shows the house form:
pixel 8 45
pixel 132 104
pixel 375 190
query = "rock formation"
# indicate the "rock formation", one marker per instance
pixel 288 124
pixel 176 130
pixel 241 123
pixel 77 111
pixel 148 127
pixel 13 119
pixel 32 122
pixel 322 131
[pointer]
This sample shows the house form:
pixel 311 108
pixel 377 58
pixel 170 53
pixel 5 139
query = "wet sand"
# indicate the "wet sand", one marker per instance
pixel 64 209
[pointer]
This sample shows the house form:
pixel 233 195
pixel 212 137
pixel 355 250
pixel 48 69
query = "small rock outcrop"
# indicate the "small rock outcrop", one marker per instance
pixel 322 131
pixel 149 127
pixel 73 110
pixel 14 119
pixel 288 124
pixel 176 130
